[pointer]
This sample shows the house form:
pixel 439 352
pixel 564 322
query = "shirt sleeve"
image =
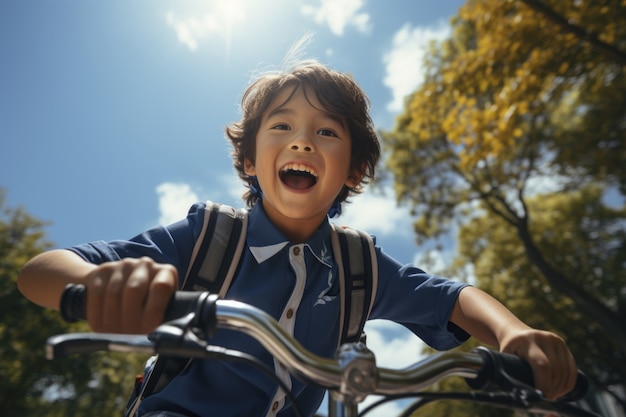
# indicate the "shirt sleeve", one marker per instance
pixel 419 301
pixel 171 244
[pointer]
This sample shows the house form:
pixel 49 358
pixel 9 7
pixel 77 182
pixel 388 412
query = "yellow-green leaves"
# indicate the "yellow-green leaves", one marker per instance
pixel 521 114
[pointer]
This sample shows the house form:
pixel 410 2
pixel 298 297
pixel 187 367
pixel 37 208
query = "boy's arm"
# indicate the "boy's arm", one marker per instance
pixel 490 322
pixel 125 296
pixel 44 277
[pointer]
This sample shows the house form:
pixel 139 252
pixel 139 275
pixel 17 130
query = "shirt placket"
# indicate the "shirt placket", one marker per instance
pixel 288 319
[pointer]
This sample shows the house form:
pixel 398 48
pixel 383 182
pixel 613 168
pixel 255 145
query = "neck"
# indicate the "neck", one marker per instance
pixel 297 230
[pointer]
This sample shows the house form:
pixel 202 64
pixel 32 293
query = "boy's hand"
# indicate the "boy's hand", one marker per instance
pixel 553 365
pixel 490 322
pixel 129 296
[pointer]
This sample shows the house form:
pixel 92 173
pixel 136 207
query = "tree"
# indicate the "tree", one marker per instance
pixel 489 244
pixel 31 385
pixel 591 251
pixel 514 104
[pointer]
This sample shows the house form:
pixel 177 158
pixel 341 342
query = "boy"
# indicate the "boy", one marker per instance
pixel 304 144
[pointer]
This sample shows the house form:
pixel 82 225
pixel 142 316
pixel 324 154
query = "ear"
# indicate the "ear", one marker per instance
pixel 248 167
pixel 355 177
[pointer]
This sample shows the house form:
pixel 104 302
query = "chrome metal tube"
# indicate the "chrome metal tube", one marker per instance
pixel 260 325
pixel 326 372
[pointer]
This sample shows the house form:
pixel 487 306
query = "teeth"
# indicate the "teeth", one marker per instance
pixel 299 167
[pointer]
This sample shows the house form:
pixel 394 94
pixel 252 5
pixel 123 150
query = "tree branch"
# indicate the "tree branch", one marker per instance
pixel 609 50
pixel 586 302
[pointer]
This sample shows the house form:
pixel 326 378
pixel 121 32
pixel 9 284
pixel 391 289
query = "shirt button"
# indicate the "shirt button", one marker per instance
pixel 275 406
pixel 290 313
pixel 296 251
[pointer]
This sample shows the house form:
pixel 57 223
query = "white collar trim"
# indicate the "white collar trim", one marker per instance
pixel 263 253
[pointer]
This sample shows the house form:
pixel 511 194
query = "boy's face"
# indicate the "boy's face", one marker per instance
pixel 302 162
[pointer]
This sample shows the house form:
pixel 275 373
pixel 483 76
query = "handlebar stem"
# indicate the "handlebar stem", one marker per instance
pixel 359 374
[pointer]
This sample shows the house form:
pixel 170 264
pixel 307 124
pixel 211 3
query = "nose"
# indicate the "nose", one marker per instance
pixel 302 143
pixel 296 147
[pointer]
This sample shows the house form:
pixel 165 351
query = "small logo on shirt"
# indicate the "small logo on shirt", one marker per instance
pixel 323 298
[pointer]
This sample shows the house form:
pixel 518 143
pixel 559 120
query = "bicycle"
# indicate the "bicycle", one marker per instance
pixel 497 379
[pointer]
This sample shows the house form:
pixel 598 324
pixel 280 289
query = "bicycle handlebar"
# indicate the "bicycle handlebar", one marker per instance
pixel 483 369
pixel 230 314
pixel 191 318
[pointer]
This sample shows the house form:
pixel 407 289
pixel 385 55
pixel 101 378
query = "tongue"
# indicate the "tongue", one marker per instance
pixel 300 181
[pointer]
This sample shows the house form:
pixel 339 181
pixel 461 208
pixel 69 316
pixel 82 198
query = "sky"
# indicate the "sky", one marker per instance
pixel 112 114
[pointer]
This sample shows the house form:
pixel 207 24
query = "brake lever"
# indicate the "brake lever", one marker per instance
pixel 507 372
pixel 188 335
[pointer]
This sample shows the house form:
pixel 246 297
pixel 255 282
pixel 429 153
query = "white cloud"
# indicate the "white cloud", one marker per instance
pixel 191 30
pixel 433 261
pixel 404 63
pixel 174 201
pixel 395 347
pixel 222 20
pixel 338 14
pixel 438 261
pixel 550 182
pixel 235 188
pixel 377 213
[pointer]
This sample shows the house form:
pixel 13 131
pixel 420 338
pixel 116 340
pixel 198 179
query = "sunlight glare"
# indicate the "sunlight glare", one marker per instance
pixel 222 20
pixel 231 12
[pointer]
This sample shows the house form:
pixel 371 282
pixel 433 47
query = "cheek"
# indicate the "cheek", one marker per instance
pixel 342 157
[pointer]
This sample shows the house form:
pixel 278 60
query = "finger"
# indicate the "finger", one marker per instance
pixel 560 373
pixel 162 286
pixel 134 296
pixel 96 286
pixel 540 365
pixel 560 362
pixel 568 373
pixel 112 301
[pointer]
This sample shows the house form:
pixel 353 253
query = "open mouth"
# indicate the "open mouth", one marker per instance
pixel 298 177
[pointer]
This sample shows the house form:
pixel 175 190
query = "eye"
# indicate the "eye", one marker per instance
pixel 327 132
pixel 281 126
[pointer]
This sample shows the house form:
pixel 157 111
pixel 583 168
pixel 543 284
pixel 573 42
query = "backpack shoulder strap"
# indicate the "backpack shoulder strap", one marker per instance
pixel 358 279
pixel 214 261
pixel 217 251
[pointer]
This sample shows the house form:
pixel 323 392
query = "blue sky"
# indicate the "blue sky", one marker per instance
pixel 112 114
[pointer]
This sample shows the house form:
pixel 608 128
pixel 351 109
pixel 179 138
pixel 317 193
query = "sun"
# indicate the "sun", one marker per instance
pixel 232 14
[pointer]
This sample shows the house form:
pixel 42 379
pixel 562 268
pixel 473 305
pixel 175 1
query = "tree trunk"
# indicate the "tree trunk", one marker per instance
pixel 589 305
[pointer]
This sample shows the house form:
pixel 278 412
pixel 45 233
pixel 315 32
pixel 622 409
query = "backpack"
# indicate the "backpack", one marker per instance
pixel 213 265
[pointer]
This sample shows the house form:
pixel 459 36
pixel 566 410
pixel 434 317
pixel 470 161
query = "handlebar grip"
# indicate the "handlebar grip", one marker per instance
pixel 73 305
pixel 501 371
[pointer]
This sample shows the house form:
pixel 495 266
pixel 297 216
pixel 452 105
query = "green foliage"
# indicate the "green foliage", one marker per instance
pixel 515 137
pixel 590 250
pixel 31 385
pixel 511 96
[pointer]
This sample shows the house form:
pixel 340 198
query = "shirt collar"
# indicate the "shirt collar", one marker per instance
pixel 265 240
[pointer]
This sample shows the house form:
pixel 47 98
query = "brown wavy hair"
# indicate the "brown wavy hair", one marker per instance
pixel 338 94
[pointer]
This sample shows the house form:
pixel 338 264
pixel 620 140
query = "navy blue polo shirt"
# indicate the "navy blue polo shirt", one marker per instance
pixel 297 285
